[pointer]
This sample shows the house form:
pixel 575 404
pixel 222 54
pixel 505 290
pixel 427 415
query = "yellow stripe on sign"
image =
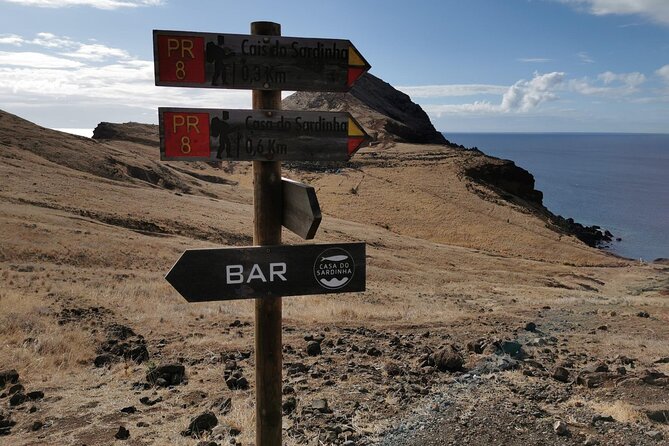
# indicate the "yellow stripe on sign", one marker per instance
pixel 354 129
pixel 354 58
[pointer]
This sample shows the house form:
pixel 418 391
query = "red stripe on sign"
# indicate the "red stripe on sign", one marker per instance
pixel 354 144
pixel 354 73
pixel 186 135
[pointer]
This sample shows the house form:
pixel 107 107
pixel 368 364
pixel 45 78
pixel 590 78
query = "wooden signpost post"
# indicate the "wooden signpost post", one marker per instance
pixel 266 63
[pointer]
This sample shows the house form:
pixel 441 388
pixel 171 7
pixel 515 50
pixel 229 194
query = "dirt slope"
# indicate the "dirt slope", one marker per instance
pixel 89 228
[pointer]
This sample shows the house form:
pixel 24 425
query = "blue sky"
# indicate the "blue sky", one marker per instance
pixel 474 65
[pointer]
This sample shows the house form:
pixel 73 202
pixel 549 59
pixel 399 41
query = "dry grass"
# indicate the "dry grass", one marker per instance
pixel 621 411
pixel 33 341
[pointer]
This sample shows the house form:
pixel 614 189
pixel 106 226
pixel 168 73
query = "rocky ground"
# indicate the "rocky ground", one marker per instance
pixel 586 372
pixel 485 321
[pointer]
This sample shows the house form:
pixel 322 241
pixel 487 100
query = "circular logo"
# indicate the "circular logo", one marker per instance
pixel 334 268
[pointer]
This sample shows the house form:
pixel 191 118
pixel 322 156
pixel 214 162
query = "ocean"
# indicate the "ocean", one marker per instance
pixel 617 181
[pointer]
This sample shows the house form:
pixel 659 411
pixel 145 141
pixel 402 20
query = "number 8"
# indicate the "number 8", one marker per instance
pixel 185 144
pixel 181 70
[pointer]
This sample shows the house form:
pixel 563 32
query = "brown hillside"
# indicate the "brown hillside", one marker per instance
pixel 88 229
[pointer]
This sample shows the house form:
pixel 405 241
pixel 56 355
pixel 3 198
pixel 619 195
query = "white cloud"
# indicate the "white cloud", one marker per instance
pixel 63 72
pixel 432 91
pixel 99 4
pixel 97 52
pixel 663 73
pixel 94 75
pixel 74 50
pixel 522 97
pixel 609 84
pixel 478 107
pixel 37 60
pixel 655 10
pixel 11 39
pixel 526 95
pixel 48 40
pixel 630 79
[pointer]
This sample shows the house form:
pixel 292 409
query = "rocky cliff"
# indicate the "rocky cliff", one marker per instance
pixel 386 113
pixel 129 131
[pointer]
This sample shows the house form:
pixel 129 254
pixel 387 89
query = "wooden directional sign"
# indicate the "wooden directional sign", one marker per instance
pixel 253 62
pixel 259 271
pixel 192 134
pixel 301 212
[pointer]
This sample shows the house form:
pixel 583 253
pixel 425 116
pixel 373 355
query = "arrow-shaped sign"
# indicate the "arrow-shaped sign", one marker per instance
pixel 193 134
pixel 192 59
pixel 258 271
pixel 301 212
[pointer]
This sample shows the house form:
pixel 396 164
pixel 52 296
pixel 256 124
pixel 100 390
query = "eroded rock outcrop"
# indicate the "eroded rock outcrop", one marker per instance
pixel 386 113
pixel 129 131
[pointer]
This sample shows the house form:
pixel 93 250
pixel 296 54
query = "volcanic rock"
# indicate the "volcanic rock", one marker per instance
pixel 531 326
pixel 592 379
pixel 560 374
pixel 17 399
pixel 321 405
pixel 659 416
pixel 15 388
pixel 561 428
pixel 35 395
pixel 373 351
pixel 206 421
pixel 6 425
pixel 512 348
pixel 8 377
pixel 655 378
pixel 313 348
pixel 105 359
pixel 237 382
pixel 448 359
pixel 129 409
pixel 170 374
pixel 122 433
pixel 289 405
pixel 149 402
